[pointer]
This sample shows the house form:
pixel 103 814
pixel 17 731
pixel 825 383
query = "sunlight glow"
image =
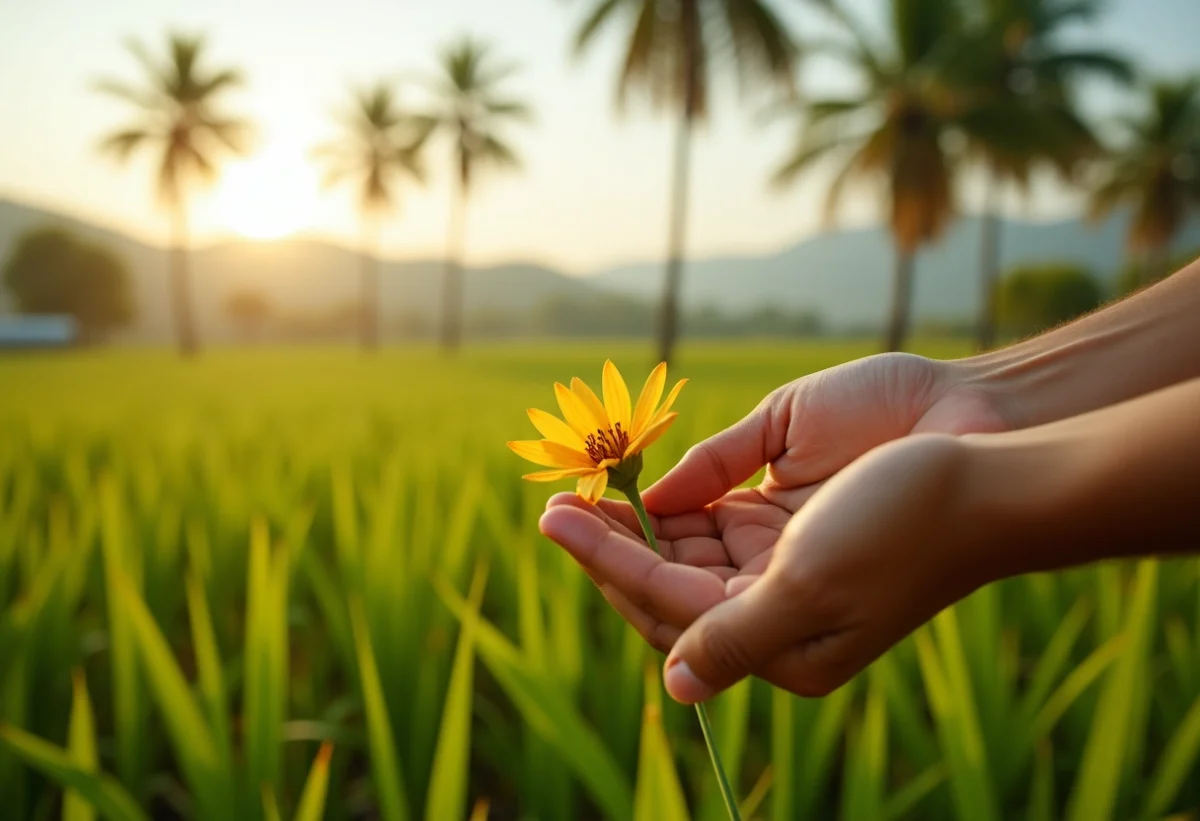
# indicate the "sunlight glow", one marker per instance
pixel 269 195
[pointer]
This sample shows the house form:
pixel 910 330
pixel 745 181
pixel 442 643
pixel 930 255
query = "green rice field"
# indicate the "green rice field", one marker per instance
pixel 308 584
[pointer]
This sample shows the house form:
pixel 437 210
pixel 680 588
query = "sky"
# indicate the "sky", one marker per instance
pixel 593 188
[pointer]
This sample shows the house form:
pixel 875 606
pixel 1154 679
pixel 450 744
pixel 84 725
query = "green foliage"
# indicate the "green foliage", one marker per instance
pixel 52 271
pixel 268 570
pixel 1155 167
pixel 1034 298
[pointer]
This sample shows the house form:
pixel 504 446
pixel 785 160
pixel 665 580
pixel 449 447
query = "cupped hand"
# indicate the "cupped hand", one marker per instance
pixel 717 540
pixel 877 551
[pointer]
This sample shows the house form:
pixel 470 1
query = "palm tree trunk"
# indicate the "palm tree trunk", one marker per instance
pixel 989 265
pixel 369 299
pixel 897 330
pixel 179 285
pixel 452 279
pixel 668 329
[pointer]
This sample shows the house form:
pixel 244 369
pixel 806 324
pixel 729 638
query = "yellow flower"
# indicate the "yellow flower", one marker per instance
pixel 599 437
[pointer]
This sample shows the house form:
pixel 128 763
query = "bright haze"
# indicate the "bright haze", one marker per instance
pixel 593 190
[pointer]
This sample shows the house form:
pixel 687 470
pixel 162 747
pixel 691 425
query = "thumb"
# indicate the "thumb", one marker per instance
pixel 720 463
pixel 730 641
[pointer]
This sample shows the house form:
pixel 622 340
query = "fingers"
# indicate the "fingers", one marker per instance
pixel 717 465
pixel 732 640
pixel 690 538
pixel 658 634
pixel 671 592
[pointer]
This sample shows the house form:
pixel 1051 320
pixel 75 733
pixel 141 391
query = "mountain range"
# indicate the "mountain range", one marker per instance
pixel 843 276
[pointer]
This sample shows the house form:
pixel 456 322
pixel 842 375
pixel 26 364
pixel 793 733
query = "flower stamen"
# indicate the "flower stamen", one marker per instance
pixel 607 443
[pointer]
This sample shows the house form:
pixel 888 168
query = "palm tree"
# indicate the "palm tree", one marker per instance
pixel 1022 113
pixel 1156 171
pixel 891 131
pixel 381 144
pixel 178 120
pixel 673 52
pixel 471 108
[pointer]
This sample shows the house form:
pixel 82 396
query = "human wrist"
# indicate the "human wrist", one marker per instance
pixel 1134 347
pixel 1018 495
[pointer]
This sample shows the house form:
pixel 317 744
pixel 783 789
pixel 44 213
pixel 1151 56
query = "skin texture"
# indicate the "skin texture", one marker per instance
pixel 897 485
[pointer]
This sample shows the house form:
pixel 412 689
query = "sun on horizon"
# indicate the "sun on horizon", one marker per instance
pixel 269 195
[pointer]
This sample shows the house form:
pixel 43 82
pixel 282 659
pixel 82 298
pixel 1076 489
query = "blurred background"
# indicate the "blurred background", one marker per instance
pixel 540 148
pixel 277 281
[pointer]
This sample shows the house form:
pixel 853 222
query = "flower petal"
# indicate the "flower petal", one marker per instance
pixel 616 397
pixel 651 434
pixel 666 406
pixel 555 475
pixel 551 454
pixel 591 487
pixel 651 393
pixel 577 414
pixel 593 403
pixel 555 429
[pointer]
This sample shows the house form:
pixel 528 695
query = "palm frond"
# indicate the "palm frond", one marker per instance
pixel 638 55
pixel 808 152
pixel 594 22
pixel 148 99
pixel 123 143
pixel 762 45
pixel 233 133
pixel 498 153
pixel 158 73
pixel 509 109
pixel 227 78
pixel 1066 65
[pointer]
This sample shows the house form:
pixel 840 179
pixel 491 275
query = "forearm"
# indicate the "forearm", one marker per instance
pixel 1119 482
pixel 1136 346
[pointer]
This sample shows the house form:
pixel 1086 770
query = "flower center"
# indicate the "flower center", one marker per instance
pixel 607 444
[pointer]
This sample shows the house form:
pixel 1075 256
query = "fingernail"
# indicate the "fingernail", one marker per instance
pixel 682 683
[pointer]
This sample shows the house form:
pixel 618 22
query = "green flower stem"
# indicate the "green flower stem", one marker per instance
pixel 731 805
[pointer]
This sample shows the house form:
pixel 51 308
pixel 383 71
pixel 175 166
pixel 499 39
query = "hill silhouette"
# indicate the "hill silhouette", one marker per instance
pixel 842 276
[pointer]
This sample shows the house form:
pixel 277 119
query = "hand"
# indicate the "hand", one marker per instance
pixel 877 551
pixel 720 540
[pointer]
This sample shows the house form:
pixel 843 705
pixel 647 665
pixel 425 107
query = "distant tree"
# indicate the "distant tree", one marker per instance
pixel 249 310
pixel 1020 75
pixel 1156 171
pixel 381 144
pixel 891 130
pixel 1034 298
pixel 471 109
pixel 674 51
pixel 52 271
pixel 179 121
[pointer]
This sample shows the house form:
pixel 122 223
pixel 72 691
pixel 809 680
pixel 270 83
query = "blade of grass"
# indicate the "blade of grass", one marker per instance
pixel 1097 784
pixel 104 793
pixel 783 756
pixel 128 713
pixel 385 760
pixel 549 714
pixel 658 795
pixel 191 737
pixel 1176 762
pixel 312 797
pixel 81 746
pixel 866 764
pixel 447 796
